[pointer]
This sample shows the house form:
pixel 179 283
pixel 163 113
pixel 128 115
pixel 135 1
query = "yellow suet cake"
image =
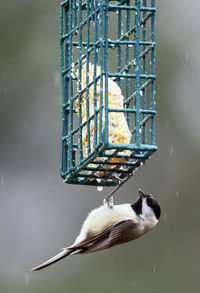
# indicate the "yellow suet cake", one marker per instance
pixel 118 127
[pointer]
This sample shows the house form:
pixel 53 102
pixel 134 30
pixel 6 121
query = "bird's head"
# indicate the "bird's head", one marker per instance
pixel 146 204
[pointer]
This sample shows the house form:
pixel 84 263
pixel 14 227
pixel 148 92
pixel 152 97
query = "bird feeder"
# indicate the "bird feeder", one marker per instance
pixel 108 89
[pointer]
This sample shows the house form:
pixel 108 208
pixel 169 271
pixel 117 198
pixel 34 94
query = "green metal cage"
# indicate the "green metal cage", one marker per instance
pixel 118 39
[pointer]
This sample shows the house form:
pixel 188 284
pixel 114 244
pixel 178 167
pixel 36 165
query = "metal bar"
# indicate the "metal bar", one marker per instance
pixel 128 157
pixel 137 72
pixel 99 168
pixel 128 110
pixel 82 91
pixel 120 75
pixel 82 181
pixel 127 105
pixel 131 164
pixel 143 122
pixel 87 78
pixel 119 55
pixel 80 84
pixel 128 163
pixel 81 125
pixel 90 175
pixel 92 9
pixel 133 30
pixel 113 7
pixel 125 7
pixel 143 90
pixel 81 165
pixel 107 170
pixel 82 24
pixel 106 67
pixel 133 62
pixel 68 60
pixel 102 70
pixel 125 36
pixel 74 15
pixel 111 43
pixel 128 42
pixel 66 91
pixel 64 124
pixel 64 3
pixel 144 147
pixel 95 73
pixel 152 106
pixel 84 56
pixel 146 84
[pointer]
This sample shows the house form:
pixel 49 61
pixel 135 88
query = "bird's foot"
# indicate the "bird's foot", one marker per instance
pixel 108 201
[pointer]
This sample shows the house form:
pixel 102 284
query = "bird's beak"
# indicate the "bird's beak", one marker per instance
pixel 141 194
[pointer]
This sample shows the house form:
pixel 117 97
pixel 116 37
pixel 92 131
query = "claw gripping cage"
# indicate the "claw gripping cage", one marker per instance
pixel 108 88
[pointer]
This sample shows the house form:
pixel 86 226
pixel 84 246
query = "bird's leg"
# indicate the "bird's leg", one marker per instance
pixel 109 198
pixel 108 201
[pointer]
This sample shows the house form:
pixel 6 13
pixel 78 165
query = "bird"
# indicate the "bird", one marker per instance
pixel 110 225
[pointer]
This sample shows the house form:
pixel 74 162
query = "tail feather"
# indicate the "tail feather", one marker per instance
pixel 52 260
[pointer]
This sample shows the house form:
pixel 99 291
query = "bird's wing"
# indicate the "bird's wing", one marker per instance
pixel 119 233
pixel 54 259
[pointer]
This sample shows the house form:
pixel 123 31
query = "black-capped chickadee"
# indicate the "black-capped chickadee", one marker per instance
pixel 111 225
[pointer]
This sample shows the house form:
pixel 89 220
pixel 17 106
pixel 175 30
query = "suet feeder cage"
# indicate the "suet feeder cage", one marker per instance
pixel 108 89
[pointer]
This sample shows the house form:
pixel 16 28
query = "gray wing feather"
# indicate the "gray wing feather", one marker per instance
pixel 119 233
pixel 52 260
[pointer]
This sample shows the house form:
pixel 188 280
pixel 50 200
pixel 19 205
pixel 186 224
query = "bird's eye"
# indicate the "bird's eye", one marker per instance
pixel 150 201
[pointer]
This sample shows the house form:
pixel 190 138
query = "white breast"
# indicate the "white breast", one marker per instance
pixel 101 218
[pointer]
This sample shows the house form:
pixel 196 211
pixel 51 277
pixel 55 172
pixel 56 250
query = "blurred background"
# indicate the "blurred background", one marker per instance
pixel 39 214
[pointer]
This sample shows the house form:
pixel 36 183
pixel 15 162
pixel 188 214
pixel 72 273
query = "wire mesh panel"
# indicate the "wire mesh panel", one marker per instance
pixel 108 88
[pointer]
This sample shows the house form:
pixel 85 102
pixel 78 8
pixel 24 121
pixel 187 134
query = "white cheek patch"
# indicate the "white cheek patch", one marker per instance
pixel 148 216
pixel 146 210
